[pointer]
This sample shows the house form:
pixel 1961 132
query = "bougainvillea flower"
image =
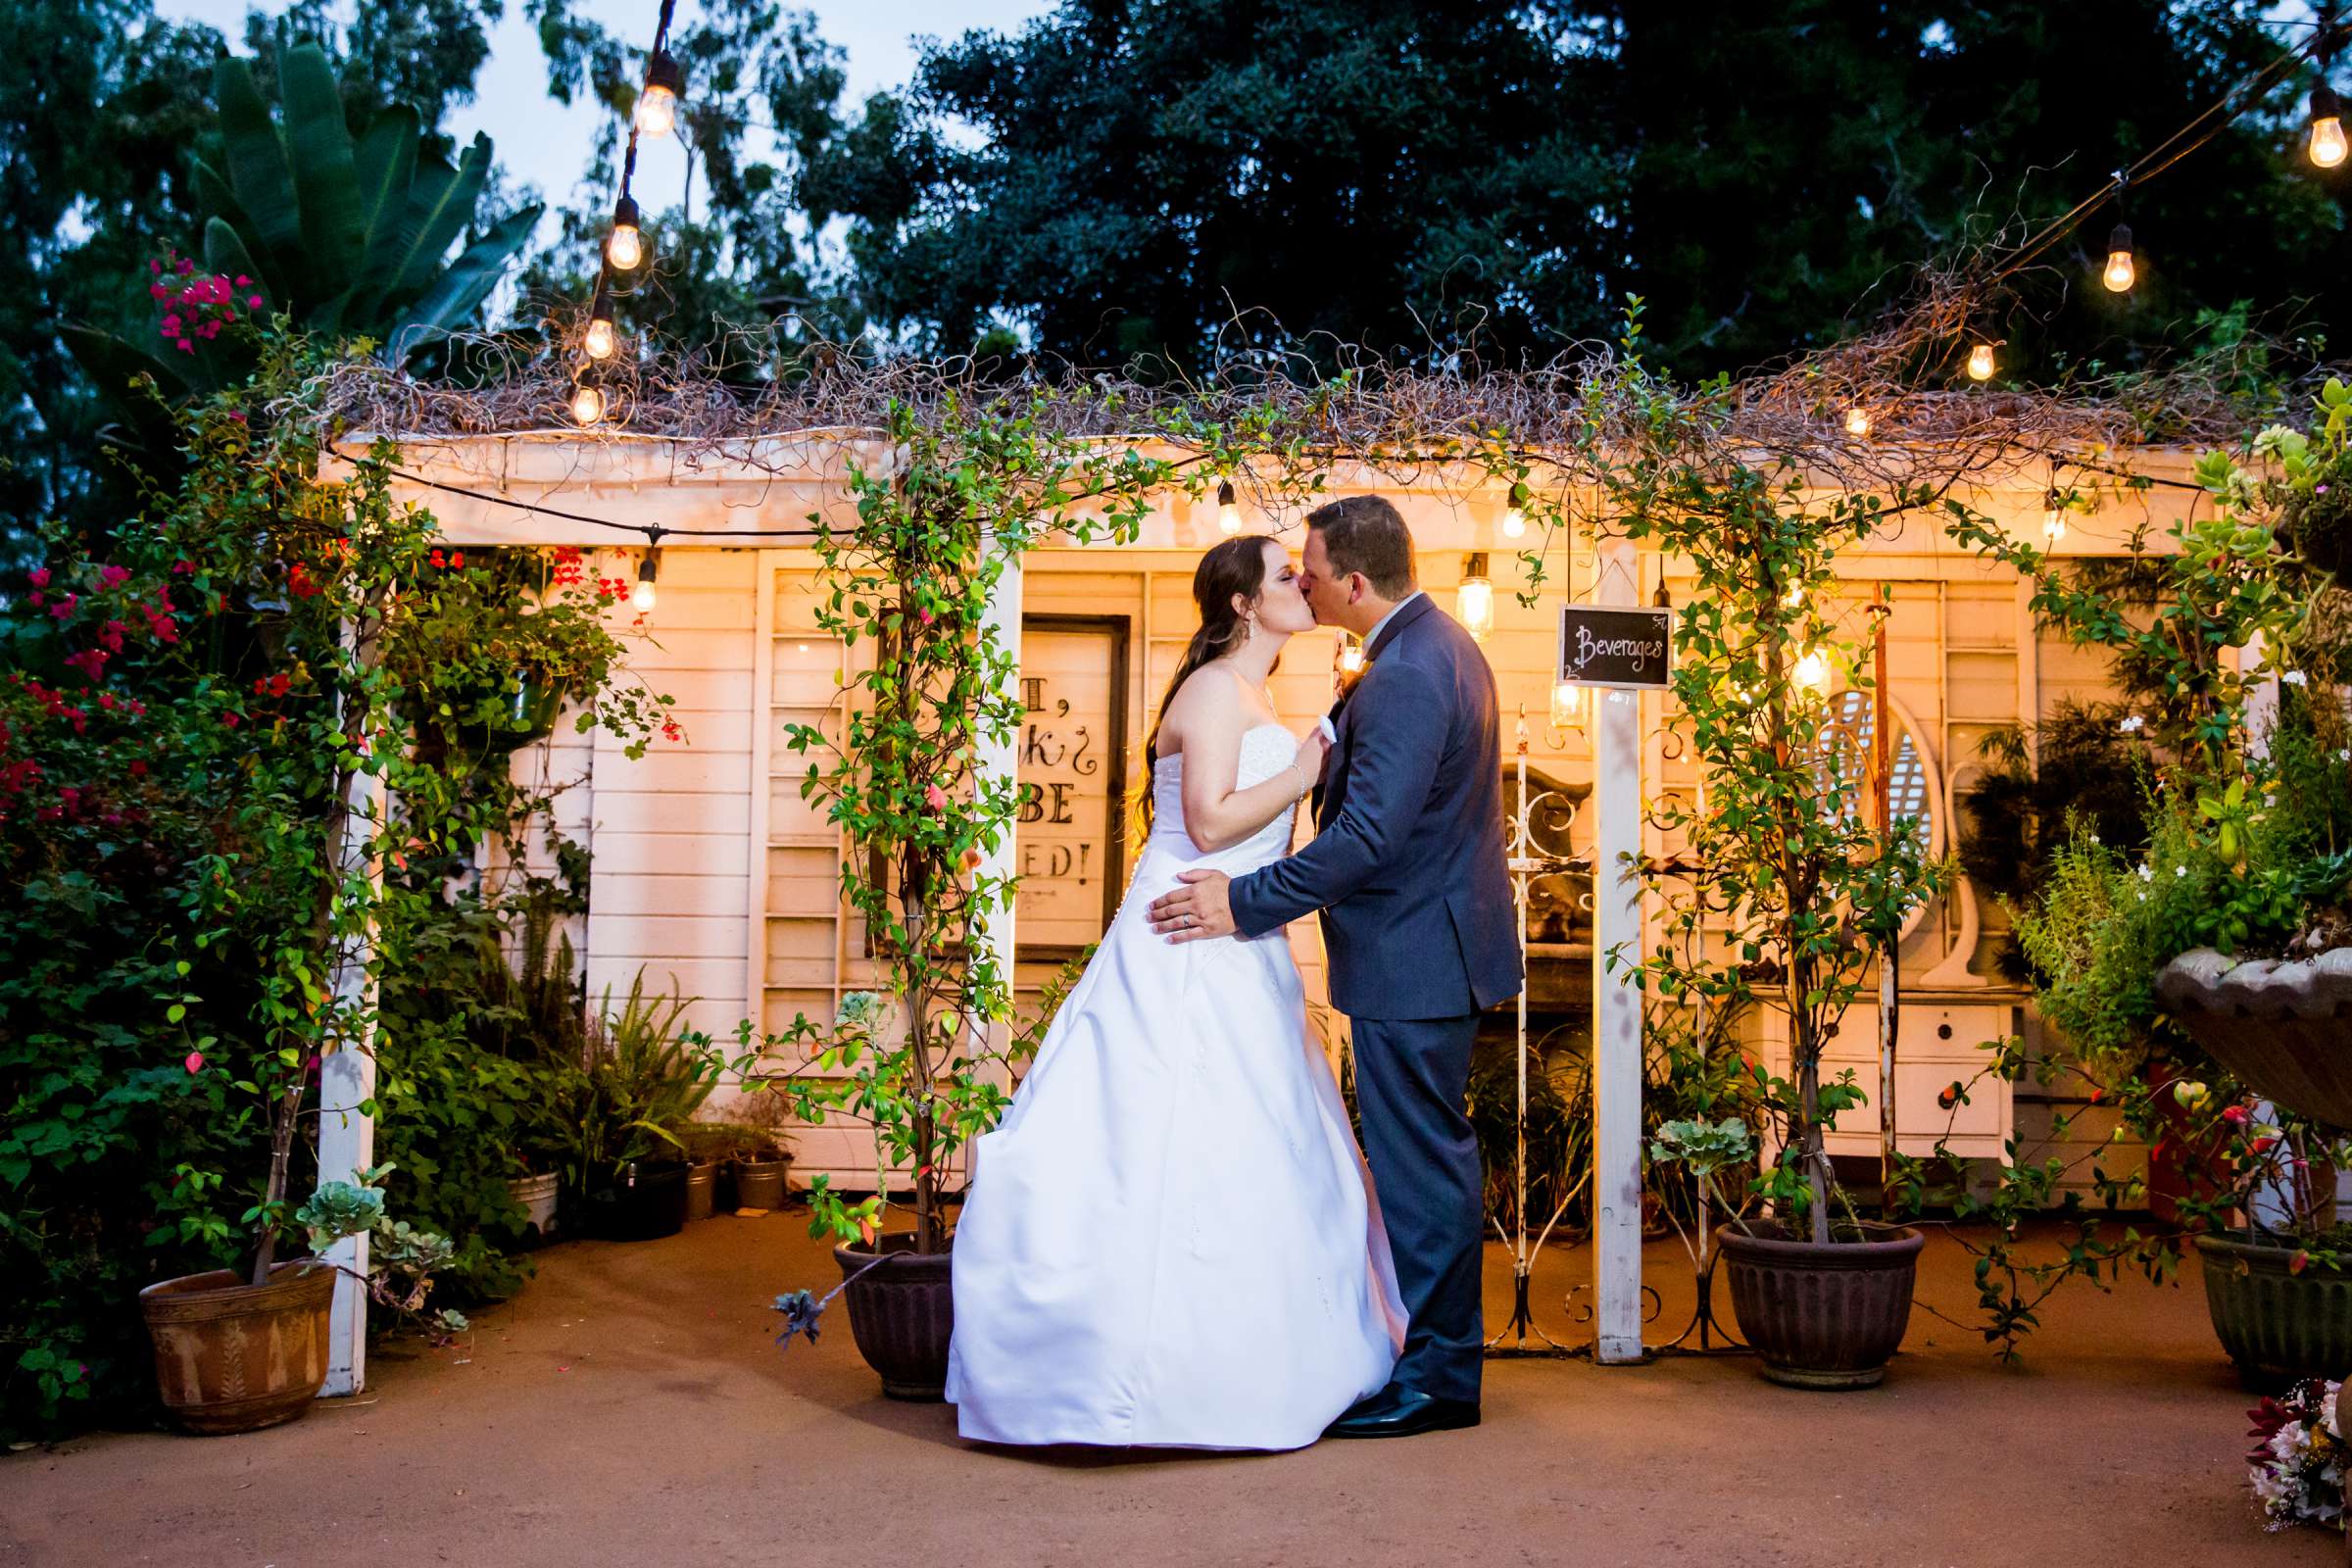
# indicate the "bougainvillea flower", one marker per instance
pixel 195 1062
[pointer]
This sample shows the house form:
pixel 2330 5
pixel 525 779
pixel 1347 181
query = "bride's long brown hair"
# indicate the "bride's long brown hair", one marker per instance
pixel 1236 565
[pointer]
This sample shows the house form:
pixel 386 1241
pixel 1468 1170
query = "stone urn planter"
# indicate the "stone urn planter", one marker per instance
pixel 2277 1326
pixel 2279 1027
pixel 231 1356
pixel 1823 1316
pixel 901 1314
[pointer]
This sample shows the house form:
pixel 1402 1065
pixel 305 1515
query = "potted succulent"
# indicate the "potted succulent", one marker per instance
pixel 1804 882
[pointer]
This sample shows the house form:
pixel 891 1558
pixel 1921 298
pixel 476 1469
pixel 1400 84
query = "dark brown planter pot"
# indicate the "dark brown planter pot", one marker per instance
pixel 901 1314
pixel 1821 1316
pixel 2279 1028
pixel 2279 1326
pixel 236 1357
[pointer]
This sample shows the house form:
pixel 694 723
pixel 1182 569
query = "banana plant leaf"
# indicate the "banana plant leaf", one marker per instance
pixel 258 171
pixel 463 287
pixel 326 186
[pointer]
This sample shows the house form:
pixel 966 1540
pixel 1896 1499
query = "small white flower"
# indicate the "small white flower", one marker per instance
pixel 2295 677
pixel 2344 756
pixel 2131 723
pixel 2328 1409
pixel 2180 870
pixel 2147 873
pixel 2095 838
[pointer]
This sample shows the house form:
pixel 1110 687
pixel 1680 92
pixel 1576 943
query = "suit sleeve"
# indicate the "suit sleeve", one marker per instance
pixel 1397 738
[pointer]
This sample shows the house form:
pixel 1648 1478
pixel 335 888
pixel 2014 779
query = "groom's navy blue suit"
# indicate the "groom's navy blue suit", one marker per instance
pixel 1407 869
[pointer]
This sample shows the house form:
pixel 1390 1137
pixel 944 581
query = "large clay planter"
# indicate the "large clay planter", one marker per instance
pixel 2277 1325
pixel 236 1357
pixel 901 1314
pixel 1821 1316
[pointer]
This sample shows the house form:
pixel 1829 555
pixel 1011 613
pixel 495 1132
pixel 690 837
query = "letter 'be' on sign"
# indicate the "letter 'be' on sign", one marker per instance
pixel 1625 649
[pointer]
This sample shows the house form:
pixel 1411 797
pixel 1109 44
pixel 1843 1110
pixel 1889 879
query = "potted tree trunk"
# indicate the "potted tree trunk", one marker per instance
pixel 1805 880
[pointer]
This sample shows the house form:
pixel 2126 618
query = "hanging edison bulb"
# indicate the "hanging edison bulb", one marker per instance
pixel 1812 672
pixel 1229 512
pixel 642 598
pixel 624 247
pixel 1979 362
pixel 2120 272
pixel 2053 519
pixel 1474 599
pixel 587 403
pixel 1514 515
pixel 1857 421
pixel 1351 656
pixel 658 103
pixel 2326 146
pixel 1567 705
pixel 600 339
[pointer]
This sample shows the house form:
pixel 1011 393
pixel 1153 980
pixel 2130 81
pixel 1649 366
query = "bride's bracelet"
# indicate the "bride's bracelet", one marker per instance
pixel 1307 786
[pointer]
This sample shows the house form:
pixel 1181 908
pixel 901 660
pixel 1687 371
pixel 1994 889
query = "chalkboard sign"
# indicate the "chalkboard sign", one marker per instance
pixel 1620 648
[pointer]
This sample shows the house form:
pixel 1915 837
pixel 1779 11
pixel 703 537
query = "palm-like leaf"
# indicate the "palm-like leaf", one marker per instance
pixel 387 163
pixel 325 175
pixel 463 287
pixel 258 171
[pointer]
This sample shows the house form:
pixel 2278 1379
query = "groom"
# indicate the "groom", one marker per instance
pixel 1407 869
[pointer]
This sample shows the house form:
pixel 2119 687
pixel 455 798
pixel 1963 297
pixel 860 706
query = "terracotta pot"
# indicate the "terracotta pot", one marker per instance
pixel 1823 1316
pixel 760 1182
pixel 236 1357
pixel 702 1189
pixel 2277 1325
pixel 901 1315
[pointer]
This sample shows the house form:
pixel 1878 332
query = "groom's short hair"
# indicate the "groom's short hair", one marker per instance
pixel 1364 533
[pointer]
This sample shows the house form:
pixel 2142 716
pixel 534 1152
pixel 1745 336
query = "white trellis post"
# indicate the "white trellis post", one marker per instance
pixel 1616 1003
pixel 1000 759
pixel 346 1082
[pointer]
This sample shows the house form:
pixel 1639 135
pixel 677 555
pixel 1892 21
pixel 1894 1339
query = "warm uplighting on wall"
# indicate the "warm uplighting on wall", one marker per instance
pixel 2326 146
pixel 1514 515
pixel 2120 271
pixel 1229 512
pixel 1474 600
pixel 587 403
pixel 1979 362
pixel 1857 421
pixel 658 103
pixel 624 247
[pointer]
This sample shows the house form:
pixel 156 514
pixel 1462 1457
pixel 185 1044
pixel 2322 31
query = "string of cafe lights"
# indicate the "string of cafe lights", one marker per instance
pixel 656 113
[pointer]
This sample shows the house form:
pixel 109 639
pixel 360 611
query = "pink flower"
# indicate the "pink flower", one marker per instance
pixel 64 607
pixel 155 266
pixel 2235 1115
pixel 934 797
pixel 113 577
pixel 242 280
pixel 195 1062
pixel 40 576
pixel 253 302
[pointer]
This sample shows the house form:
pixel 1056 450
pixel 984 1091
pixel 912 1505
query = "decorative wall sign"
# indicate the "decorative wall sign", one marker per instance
pixel 1070 839
pixel 1628 649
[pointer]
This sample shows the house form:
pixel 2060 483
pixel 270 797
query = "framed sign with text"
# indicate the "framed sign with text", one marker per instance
pixel 1629 649
pixel 1070 840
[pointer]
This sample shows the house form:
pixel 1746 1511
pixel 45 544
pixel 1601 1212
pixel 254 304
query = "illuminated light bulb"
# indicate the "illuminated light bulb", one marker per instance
pixel 642 598
pixel 1812 672
pixel 1352 656
pixel 587 403
pixel 1794 598
pixel 1567 705
pixel 2326 145
pixel 624 247
pixel 2054 522
pixel 1979 362
pixel 1474 599
pixel 600 340
pixel 1229 512
pixel 1857 421
pixel 1514 516
pixel 2120 271
pixel 658 103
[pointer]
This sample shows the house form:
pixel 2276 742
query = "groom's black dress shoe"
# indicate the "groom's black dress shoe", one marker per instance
pixel 1396 1411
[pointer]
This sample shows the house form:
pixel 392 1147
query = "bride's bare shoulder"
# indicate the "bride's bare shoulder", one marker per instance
pixel 1213 700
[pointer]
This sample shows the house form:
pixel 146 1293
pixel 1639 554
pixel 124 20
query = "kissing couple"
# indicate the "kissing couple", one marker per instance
pixel 1172 1239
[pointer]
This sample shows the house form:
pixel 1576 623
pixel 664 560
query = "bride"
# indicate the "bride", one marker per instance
pixel 1170 1241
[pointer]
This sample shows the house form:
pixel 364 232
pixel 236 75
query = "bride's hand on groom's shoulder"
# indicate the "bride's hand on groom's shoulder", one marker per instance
pixel 1199 909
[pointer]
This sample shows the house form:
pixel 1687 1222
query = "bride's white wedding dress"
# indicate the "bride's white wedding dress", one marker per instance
pixel 1170 1240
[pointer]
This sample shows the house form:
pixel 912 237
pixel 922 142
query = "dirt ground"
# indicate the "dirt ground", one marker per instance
pixel 630 1408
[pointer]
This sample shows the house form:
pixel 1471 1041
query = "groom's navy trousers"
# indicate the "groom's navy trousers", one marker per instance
pixel 1407 869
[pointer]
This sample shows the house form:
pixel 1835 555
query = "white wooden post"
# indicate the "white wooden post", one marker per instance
pixel 1616 1003
pixel 999 760
pixel 346 1080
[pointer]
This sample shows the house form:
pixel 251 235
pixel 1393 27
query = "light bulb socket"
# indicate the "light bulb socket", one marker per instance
pixel 599 308
pixel 1474 564
pixel 650 567
pixel 625 212
pixel 2325 104
pixel 2119 238
pixel 663 71
pixel 1225 492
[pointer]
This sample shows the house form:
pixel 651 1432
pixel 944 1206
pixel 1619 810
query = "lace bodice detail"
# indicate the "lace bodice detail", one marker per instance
pixel 1266 750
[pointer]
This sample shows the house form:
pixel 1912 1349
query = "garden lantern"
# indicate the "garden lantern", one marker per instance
pixel 1474 599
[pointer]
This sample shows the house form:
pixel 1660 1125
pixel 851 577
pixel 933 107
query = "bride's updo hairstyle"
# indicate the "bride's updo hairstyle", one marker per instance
pixel 1236 565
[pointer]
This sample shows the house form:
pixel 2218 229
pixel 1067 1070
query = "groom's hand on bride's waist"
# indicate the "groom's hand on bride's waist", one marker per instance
pixel 1196 911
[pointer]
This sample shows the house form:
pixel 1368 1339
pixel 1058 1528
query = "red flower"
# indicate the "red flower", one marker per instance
pixel 64 607
pixel 456 559
pixel 113 577
pixel 435 559
pixel 2235 1115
